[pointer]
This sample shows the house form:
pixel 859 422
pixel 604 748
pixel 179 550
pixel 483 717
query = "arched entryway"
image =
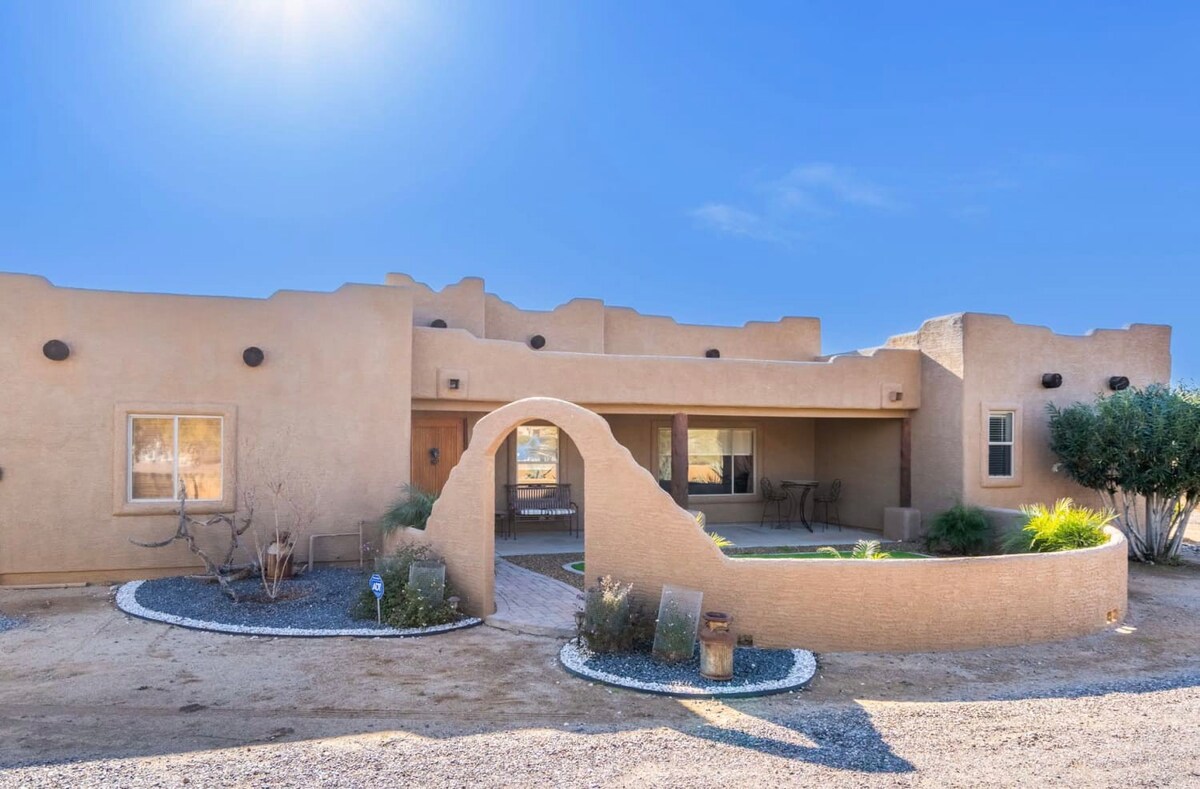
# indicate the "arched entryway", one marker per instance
pixel 462 526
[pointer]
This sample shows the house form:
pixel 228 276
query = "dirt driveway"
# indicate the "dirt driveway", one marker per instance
pixel 89 696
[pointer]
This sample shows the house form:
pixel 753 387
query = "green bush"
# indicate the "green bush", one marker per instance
pixel 959 530
pixel 401 606
pixel 413 508
pixel 1063 528
pixel 613 621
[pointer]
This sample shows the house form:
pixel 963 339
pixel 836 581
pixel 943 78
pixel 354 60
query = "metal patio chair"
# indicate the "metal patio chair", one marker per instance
pixel 772 495
pixel 830 502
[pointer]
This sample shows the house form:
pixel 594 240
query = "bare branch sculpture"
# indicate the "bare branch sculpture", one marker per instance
pixel 223 572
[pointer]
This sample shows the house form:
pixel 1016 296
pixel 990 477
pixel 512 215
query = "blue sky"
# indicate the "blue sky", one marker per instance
pixel 717 162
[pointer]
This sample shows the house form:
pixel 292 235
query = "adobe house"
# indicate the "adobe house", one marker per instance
pixel 110 401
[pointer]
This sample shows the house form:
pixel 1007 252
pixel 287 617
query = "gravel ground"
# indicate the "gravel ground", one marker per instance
pixel 90 697
pixel 319 599
pixel 751 667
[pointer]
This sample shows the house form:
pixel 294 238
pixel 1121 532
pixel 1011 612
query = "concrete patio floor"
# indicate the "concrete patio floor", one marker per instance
pixel 743 535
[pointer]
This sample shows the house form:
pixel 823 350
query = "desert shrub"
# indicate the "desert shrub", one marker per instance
pixel 607 616
pixel 1065 527
pixel 959 530
pixel 413 508
pixel 1140 450
pixel 863 549
pixel 401 606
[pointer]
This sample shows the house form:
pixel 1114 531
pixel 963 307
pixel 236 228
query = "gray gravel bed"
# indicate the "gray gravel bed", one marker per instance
pixel 756 671
pixel 317 604
pixel 323 599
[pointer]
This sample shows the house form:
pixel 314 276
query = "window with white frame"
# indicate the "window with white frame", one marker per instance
pixel 167 452
pixel 1000 444
pixel 537 454
pixel 721 461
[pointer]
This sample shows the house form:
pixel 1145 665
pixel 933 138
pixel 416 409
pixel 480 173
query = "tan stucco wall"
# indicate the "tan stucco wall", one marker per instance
pixel 865 455
pixel 1004 366
pixel 629 332
pixel 577 326
pixel 971 361
pixel 493 371
pixel 589 326
pixel 334 388
pixel 638 535
pixel 937 446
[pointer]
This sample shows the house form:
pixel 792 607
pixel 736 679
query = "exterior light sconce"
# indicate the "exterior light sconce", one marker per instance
pixel 56 350
pixel 453 383
pixel 1051 380
pixel 438 323
pixel 253 356
pixel 895 397
pixel 435 455
pixel 1118 382
pixel 713 353
pixel 537 342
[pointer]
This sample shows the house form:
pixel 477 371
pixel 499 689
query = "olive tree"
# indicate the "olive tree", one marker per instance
pixel 1140 449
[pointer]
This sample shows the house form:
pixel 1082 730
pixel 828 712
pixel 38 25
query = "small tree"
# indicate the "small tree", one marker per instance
pixel 1140 449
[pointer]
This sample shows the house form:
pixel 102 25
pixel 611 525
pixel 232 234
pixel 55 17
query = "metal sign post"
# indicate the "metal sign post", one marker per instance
pixel 377 588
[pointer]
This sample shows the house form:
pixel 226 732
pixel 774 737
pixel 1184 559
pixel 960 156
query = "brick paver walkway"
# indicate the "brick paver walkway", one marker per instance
pixel 529 602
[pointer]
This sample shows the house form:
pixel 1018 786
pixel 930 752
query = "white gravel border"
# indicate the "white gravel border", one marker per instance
pixel 571 569
pixel 574 659
pixel 127 601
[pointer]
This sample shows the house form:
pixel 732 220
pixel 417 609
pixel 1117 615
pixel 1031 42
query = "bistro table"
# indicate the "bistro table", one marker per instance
pixel 798 491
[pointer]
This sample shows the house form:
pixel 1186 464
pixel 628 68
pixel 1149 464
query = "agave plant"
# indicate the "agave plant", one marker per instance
pixel 863 549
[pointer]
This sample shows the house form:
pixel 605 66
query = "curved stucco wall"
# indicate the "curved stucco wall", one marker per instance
pixel 636 533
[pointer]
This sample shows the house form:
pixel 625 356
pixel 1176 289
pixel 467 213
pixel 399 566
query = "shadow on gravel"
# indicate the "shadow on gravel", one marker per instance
pixel 845 739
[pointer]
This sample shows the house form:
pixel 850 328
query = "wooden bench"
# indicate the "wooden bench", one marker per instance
pixel 541 502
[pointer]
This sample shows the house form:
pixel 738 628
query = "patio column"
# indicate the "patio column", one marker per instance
pixel 679 459
pixel 906 462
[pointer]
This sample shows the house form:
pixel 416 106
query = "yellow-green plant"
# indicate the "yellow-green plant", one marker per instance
pixel 863 549
pixel 719 541
pixel 1063 527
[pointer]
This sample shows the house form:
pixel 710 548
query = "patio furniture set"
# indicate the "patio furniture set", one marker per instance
pixel 790 500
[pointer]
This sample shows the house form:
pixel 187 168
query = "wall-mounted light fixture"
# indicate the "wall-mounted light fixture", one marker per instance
pixel 1118 382
pixel 1051 380
pixel 438 323
pixel 253 356
pixel 713 353
pixel 435 455
pixel 537 342
pixel 56 350
pixel 895 397
pixel 453 383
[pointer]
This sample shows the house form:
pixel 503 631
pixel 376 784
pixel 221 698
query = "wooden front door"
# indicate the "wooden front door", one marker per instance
pixel 437 445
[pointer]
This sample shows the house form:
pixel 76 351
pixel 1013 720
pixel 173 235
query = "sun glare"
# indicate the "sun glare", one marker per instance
pixel 294 31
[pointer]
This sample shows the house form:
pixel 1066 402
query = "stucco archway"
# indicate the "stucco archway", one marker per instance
pixel 618 491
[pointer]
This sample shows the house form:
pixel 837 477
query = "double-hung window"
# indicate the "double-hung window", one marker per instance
pixel 537 454
pixel 721 461
pixel 1000 445
pixel 167 453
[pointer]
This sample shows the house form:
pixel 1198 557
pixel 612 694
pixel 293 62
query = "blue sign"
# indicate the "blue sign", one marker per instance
pixel 377 586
